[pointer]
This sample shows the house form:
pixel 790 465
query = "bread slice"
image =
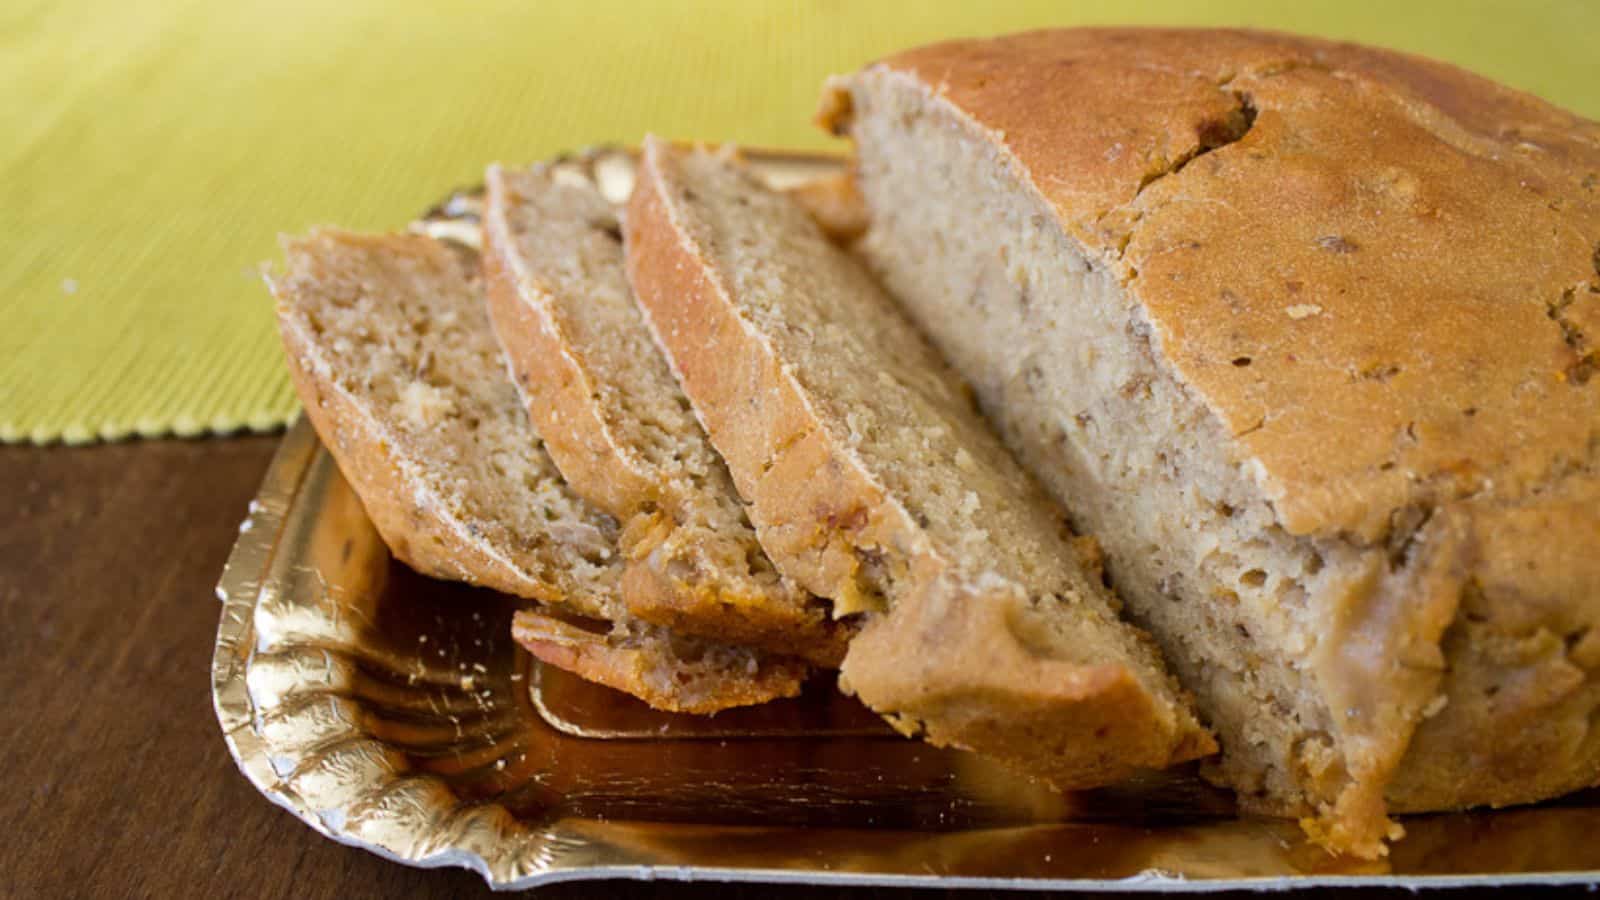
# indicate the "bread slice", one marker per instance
pixel 1306 333
pixel 668 670
pixel 873 482
pixel 390 348
pixel 619 428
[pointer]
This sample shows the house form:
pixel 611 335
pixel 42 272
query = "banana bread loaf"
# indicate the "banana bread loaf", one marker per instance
pixel 1305 333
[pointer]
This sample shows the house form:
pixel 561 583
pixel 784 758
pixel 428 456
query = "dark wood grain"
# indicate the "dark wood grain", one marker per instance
pixel 116 780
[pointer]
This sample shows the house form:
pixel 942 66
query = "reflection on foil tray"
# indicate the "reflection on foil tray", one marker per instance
pixel 394 713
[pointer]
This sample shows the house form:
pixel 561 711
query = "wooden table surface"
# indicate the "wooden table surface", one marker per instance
pixel 117 782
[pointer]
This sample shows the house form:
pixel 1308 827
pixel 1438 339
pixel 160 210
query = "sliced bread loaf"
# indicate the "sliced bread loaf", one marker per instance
pixel 618 426
pixel 873 482
pixel 1307 335
pixel 390 348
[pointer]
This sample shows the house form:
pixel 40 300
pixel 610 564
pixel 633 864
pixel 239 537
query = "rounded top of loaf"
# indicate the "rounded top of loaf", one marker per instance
pixel 1381 273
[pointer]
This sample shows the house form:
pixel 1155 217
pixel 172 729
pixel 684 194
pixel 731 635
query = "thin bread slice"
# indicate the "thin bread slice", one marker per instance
pixel 390 348
pixel 873 481
pixel 619 428
pixel 670 671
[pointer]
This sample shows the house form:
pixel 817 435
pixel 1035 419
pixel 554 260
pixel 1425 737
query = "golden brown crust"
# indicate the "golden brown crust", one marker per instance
pixel 1423 223
pixel 1381 275
pixel 817 507
pixel 566 400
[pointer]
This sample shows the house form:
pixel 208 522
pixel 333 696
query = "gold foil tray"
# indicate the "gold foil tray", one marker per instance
pixel 393 713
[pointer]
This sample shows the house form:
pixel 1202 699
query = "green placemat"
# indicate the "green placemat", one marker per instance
pixel 152 152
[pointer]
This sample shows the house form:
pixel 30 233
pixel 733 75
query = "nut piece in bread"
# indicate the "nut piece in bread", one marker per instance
pixel 873 482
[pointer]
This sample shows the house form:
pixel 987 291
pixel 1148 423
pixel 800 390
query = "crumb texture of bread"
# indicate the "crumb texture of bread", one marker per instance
pixel 874 482
pixel 389 345
pixel 620 429
pixel 1306 337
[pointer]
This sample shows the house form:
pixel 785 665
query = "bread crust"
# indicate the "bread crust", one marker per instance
pixel 1381 275
pixel 818 507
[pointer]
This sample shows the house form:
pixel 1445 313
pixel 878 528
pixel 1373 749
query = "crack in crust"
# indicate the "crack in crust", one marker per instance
pixel 1573 335
pixel 1211 134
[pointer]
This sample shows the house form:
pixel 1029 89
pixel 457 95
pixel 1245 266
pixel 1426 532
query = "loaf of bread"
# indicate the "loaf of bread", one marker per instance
pixel 619 428
pixel 873 482
pixel 1306 334
pixel 390 348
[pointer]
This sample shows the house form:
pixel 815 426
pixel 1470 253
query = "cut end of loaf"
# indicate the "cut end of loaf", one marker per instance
pixel 1063 362
pixel 1295 559
pixel 863 458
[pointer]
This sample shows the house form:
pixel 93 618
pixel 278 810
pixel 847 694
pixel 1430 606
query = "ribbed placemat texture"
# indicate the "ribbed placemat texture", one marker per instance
pixel 150 153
